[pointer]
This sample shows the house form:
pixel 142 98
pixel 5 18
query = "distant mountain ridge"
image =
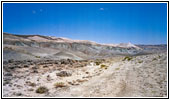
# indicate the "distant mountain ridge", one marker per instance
pixel 22 47
pixel 40 38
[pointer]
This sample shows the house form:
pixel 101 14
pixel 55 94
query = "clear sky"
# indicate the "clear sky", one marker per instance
pixel 138 23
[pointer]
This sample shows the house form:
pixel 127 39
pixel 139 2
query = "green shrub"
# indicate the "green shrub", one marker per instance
pixel 41 90
pixel 37 56
pixel 140 61
pixel 127 58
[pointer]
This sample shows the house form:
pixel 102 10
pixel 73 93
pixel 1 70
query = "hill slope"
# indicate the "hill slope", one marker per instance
pixel 47 47
pixel 42 47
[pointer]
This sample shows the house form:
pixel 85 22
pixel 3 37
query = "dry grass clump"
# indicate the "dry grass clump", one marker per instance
pixel 81 80
pixel 127 58
pixel 41 90
pixel 103 66
pixel 59 84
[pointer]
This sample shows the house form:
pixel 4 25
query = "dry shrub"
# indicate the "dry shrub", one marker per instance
pixel 41 90
pixel 79 80
pixel 127 58
pixel 59 84
pixel 140 61
pixel 97 63
pixel 63 74
pixel 37 56
pixel 30 83
pixel 103 66
pixel 154 59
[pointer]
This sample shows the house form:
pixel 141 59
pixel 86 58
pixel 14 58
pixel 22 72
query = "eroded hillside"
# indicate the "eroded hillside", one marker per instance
pixel 28 47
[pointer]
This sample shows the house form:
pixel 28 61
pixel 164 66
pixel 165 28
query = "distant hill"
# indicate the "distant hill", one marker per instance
pixel 21 47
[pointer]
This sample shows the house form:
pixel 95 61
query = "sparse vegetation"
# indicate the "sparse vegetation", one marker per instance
pixel 32 84
pixel 37 56
pixel 81 80
pixel 11 60
pixel 103 66
pixel 41 90
pixel 159 56
pixel 127 58
pixel 26 66
pixel 31 89
pixel 8 48
pixel 140 61
pixel 63 74
pixel 117 68
pixel 45 66
pixel 154 59
pixel 59 84
pixel 97 63
pixel 153 91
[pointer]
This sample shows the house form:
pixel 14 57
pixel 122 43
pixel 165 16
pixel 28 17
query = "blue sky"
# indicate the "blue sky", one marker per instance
pixel 138 23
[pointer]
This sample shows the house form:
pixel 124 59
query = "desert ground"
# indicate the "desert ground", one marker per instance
pixel 137 76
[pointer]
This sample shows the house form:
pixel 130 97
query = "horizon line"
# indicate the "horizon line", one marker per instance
pixel 78 39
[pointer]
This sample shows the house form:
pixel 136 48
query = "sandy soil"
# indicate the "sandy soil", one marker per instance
pixel 138 76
